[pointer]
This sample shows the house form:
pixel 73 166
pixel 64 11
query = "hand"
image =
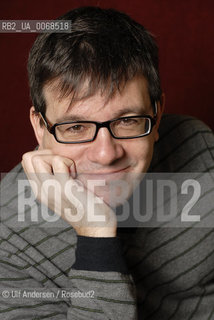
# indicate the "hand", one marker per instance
pixel 69 198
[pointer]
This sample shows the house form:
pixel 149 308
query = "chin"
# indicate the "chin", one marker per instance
pixel 113 189
pixel 114 193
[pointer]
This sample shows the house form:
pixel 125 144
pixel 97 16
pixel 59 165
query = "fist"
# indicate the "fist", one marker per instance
pixel 67 197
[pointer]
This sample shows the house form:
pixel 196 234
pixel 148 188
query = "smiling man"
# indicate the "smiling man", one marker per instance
pixel 97 107
pixel 117 149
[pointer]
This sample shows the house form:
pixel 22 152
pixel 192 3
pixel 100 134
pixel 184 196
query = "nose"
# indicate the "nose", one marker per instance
pixel 105 150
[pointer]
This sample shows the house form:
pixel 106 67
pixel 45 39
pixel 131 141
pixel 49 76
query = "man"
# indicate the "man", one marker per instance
pixel 97 106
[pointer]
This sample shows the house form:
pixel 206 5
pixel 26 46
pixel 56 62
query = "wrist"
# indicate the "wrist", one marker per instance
pixel 98 232
pixel 100 254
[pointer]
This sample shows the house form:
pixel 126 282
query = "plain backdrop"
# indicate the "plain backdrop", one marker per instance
pixel 183 29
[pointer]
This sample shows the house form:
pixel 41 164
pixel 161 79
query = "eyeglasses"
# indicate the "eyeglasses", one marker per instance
pixel 129 127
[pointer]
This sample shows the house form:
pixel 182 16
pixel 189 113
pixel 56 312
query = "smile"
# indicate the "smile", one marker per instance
pixel 105 174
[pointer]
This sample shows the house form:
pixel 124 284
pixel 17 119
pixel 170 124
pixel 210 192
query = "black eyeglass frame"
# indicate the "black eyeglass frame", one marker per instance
pixel 106 124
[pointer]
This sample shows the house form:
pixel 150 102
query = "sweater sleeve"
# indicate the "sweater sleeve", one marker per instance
pixel 104 288
pixel 60 287
pixel 87 295
pixel 99 254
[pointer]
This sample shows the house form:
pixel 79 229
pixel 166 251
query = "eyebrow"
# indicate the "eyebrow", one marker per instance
pixel 118 114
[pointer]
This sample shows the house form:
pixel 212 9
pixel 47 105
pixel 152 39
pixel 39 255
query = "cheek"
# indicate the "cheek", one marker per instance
pixel 72 152
pixel 141 151
pixel 48 141
pixel 77 153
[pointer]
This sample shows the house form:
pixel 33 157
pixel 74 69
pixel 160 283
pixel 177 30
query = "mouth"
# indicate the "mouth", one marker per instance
pixel 106 174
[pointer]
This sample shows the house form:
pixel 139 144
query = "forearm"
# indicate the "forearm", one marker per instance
pixel 100 271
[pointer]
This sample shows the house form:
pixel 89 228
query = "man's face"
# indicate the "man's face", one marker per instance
pixel 105 158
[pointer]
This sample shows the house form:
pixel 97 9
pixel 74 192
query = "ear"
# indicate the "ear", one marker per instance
pixel 160 109
pixel 38 129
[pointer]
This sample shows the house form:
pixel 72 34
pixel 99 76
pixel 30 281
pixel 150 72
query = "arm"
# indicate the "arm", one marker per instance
pixel 106 295
pixel 99 268
pixel 109 291
pixel 101 271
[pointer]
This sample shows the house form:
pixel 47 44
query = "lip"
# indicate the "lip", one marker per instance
pixel 107 173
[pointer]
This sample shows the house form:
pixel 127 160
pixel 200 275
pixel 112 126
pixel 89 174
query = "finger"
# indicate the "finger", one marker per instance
pixel 42 163
pixel 61 164
pixel 42 166
pixel 31 169
pixel 61 168
pixel 48 166
pixel 27 159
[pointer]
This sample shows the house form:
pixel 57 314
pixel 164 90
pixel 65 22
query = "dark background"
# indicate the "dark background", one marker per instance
pixel 185 34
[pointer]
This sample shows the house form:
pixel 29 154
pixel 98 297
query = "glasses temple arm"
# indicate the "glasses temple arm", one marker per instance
pixel 155 110
pixel 46 122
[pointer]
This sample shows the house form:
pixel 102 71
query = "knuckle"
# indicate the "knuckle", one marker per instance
pixel 57 160
pixel 26 157
pixel 71 162
pixel 36 159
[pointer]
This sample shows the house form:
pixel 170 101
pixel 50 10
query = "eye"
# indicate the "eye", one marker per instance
pixel 127 121
pixel 75 128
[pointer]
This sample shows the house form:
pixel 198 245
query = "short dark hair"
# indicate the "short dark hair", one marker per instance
pixel 104 46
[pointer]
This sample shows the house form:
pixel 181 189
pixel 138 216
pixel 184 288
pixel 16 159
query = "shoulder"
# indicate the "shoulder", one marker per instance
pixel 186 144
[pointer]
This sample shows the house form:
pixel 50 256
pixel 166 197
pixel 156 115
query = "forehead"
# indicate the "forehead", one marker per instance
pixel 133 96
